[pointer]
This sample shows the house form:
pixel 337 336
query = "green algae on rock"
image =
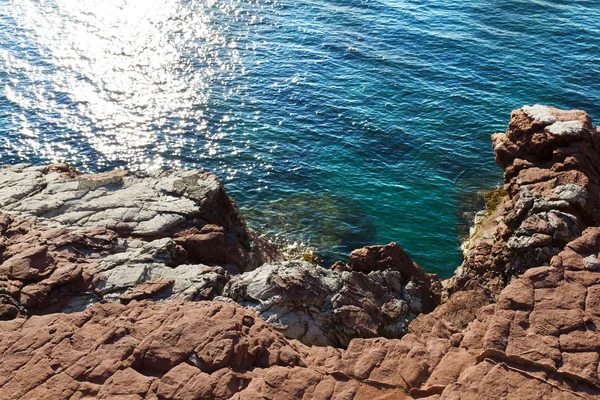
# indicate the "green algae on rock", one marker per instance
pixel 493 199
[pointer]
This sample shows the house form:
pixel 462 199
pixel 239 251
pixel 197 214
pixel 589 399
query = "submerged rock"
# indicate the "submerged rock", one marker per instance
pixel 325 222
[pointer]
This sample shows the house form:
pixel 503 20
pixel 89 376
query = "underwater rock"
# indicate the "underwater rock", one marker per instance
pixel 324 223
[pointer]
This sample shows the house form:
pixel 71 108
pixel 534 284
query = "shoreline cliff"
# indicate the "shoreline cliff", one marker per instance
pixel 152 286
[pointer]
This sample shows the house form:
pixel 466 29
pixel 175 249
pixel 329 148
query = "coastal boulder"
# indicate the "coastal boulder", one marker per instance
pixel 392 257
pixel 326 307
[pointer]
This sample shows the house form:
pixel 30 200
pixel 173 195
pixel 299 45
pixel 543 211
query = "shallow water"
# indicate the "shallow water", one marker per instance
pixel 333 123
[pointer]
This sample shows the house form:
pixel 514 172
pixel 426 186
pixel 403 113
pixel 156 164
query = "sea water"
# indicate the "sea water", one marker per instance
pixel 334 124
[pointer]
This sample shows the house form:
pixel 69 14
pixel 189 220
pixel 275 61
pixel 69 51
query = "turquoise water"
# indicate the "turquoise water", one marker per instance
pixel 333 123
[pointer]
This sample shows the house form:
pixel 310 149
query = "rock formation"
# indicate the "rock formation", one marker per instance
pixel 70 240
pixel 540 340
pixel 176 235
pixel 520 318
pixel 550 159
pixel 189 206
pixel 324 307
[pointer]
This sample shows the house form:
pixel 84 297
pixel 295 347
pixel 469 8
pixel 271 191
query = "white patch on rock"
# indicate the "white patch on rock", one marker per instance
pixel 591 263
pixel 323 307
pixel 566 128
pixel 540 114
pixel 571 193
pixel 145 206
pixel 144 261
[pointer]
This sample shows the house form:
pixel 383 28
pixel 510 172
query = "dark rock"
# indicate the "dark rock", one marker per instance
pixel 325 307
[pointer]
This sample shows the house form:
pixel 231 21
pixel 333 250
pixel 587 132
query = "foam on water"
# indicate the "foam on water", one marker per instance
pixel 333 123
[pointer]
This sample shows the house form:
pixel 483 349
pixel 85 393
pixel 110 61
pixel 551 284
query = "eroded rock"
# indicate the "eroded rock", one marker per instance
pixel 550 160
pixel 189 205
pixel 325 307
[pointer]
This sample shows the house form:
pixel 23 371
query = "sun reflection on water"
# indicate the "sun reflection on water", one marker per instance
pixel 133 78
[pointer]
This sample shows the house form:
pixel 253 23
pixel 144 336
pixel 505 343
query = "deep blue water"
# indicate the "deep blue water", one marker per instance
pixel 333 123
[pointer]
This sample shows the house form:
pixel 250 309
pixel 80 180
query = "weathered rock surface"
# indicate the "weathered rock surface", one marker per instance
pixel 70 240
pixel 541 340
pixel 145 350
pixel 190 206
pixel 325 307
pixel 425 288
pixel 48 269
pixel 550 160
pixel 137 262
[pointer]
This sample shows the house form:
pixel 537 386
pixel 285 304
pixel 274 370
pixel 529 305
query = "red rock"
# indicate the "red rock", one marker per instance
pixel 543 277
pixel 211 246
pixel 518 295
pixel 391 256
pixel 585 278
pixel 587 242
pixel 127 382
pixel 497 335
pixel 457 311
pixel 379 258
pixel 146 290
pixel 554 322
pixel 489 380
pixel 580 340
pixel 126 349
pixel 583 366
pixel 30 264
pixel 42 267
pixel 566 296
pixel 552 184
pixel 455 361
pixel 534 348
pixel 8 311
pixel 592 303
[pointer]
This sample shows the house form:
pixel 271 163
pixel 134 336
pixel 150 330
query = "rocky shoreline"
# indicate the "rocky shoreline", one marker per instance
pixel 151 286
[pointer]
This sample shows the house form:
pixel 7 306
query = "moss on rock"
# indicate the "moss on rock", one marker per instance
pixel 493 198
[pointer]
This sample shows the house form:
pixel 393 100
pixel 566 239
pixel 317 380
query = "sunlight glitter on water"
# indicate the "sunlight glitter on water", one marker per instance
pixel 125 70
